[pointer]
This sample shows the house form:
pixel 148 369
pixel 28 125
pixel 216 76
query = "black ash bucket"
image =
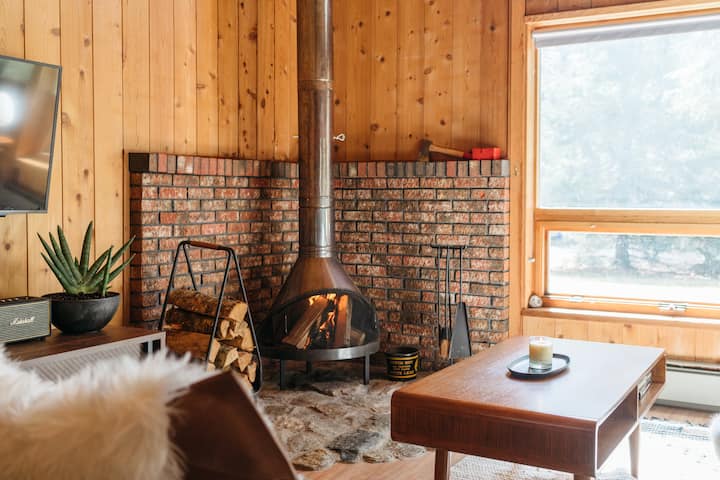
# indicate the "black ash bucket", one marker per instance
pixel 402 363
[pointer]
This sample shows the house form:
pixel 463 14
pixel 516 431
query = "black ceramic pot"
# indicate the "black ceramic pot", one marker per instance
pixel 81 315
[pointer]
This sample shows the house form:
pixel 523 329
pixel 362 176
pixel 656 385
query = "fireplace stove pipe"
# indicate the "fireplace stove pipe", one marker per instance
pixel 317 269
pixel 315 93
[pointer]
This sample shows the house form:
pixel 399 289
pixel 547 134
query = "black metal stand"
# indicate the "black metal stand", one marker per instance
pixel 366 370
pixel 282 375
pixel 308 370
pixel 230 258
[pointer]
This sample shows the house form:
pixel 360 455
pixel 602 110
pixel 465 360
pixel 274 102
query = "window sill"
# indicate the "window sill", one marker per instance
pixel 620 317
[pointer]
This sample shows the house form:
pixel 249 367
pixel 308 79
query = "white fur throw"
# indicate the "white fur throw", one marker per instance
pixel 715 434
pixel 109 421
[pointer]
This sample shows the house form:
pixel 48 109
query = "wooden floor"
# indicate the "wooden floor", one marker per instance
pixel 422 468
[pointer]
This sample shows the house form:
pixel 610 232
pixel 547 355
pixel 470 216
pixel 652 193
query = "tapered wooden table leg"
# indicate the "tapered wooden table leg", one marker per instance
pixel 635 452
pixel 442 464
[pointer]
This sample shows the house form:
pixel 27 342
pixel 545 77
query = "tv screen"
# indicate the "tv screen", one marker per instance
pixel 28 108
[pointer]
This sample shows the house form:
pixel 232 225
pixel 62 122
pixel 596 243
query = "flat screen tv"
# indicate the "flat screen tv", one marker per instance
pixel 29 94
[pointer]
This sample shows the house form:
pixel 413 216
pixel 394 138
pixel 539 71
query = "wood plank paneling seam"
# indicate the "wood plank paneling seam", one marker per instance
pixel 42 43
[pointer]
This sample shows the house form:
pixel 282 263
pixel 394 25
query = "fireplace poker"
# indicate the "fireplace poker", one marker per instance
pixel 448 299
pixel 443 338
pixel 444 312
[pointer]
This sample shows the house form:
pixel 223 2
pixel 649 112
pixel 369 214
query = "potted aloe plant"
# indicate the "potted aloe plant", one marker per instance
pixel 86 304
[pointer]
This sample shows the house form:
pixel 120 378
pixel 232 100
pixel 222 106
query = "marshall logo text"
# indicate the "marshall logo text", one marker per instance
pixel 22 321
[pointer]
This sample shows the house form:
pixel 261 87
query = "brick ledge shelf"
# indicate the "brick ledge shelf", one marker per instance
pixel 387 215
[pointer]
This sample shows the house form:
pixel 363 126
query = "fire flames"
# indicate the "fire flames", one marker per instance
pixel 322 333
pixel 330 296
pixel 323 321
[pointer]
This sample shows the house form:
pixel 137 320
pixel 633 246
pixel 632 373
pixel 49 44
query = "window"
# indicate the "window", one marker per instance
pixel 627 191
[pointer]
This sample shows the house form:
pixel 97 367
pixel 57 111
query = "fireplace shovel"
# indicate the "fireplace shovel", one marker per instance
pixel 460 339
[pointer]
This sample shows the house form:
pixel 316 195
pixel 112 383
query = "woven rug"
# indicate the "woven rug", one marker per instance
pixel 668 451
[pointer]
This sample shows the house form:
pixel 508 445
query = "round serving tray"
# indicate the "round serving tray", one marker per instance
pixel 520 367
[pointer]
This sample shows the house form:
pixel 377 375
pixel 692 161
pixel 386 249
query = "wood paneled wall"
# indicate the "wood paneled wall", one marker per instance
pixel 217 77
pixel 412 69
pixel 534 7
pixel 685 342
pixel 88 144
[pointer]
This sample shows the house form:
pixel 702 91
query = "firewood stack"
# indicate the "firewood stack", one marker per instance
pixel 188 326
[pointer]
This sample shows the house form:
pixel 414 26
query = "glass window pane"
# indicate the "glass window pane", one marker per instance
pixel 650 267
pixel 631 123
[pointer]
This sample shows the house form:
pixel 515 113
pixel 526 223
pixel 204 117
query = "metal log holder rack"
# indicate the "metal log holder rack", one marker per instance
pixel 230 259
pixel 455 333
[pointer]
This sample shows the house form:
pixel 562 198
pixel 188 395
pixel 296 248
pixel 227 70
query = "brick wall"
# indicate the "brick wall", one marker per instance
pixel 250 206
pixel 388 216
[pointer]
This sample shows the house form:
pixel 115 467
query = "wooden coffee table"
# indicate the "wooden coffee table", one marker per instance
pixel 571 422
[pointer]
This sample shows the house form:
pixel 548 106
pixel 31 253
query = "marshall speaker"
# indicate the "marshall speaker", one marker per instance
pixel 24 318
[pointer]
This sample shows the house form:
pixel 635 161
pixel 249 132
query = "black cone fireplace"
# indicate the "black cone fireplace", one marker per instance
pixel 319 313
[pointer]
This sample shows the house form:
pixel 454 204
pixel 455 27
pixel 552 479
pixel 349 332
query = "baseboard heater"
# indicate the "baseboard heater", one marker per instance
pixel 692 385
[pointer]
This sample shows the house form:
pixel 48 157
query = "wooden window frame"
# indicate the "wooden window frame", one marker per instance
pixel 636 221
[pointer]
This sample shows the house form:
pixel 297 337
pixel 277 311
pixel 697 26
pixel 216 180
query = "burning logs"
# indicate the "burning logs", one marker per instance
pixel 300 332
pixel 189 323
pixel 343 327
pixel 323 321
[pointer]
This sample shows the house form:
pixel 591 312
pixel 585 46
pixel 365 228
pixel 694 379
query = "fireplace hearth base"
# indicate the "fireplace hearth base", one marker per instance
pixel 283 354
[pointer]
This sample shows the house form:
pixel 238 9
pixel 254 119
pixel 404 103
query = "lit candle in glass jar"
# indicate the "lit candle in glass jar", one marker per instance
pixel 541 353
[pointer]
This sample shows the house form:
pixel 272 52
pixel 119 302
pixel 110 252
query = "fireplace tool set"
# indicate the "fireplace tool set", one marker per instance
pixel 453 335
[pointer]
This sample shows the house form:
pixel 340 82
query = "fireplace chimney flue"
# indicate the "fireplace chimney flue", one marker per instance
pixel 317 268
pixel 315 94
